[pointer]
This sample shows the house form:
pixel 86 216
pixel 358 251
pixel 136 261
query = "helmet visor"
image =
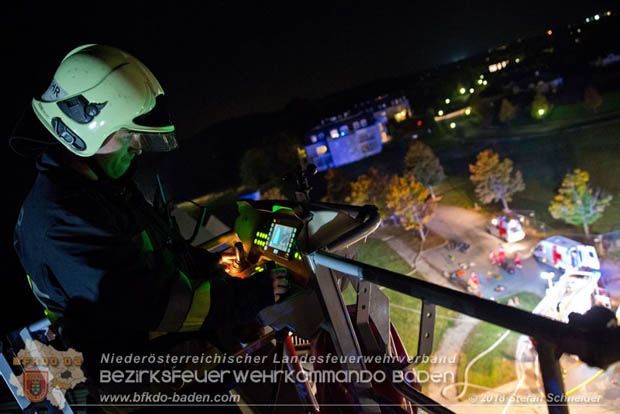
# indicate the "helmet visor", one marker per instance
pixel 158 117
pixel 148 141
pixel 158 141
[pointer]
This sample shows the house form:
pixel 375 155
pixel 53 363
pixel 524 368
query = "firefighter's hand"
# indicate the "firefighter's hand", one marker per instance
pixel 226 260
pixel 279 281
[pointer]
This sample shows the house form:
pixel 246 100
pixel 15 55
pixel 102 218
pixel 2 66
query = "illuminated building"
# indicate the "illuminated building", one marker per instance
pixel 349 137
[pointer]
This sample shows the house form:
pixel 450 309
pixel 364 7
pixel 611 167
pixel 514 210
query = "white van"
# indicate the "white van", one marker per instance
pixel 561 252
pixel 507 229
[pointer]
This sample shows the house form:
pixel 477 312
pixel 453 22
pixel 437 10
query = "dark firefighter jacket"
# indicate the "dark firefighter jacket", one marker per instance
pixel 98 255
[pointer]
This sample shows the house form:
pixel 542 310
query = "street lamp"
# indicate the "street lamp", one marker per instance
pixel 452 125
pixel 541 112
pixel 468 111
pixel 462 90
pixel 471 90
pixel 440 113
pixel 447 101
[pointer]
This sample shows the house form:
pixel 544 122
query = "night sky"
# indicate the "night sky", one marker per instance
pixel 227 59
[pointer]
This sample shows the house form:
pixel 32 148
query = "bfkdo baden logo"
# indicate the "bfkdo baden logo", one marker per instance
pixel 35 385
pixel 47 373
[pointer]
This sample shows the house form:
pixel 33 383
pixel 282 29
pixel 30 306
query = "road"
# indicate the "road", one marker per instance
pixel 455 223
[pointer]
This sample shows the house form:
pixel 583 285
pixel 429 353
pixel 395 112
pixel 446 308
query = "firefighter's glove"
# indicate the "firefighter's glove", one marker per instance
pixel 280 282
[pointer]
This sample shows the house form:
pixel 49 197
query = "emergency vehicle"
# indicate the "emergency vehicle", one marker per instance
pixel 575 291
pixel 561 252
pixel 507 229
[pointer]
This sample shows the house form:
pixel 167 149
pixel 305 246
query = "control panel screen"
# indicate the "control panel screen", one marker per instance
pixel 281 237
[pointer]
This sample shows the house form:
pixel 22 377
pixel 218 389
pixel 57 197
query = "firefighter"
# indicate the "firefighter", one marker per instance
pixel 501 256
pixel 101 260
pixel 517 260
pixel 493 257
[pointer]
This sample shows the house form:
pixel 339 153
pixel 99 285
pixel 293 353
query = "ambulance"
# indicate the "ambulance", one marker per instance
pixel 561 252
pixel 507 229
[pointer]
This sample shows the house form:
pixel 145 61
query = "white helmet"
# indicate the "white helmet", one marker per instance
pixel 98 90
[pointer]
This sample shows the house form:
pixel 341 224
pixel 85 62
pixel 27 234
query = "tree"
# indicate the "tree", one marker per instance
pixel 578 204
pixel 424 165
pixel 482 110
pixel 338 187
pixel 370 189
pixel 254 167
pixel 273 193
pixel 506 111
pixel 410 202
pixel 494 179
pixel 592 99
pixel 540 106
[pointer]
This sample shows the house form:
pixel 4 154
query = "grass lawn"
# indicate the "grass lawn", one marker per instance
pixel 544 161
pixel 610 102
pixel 498 366
pixel 404 310
pixel 456 191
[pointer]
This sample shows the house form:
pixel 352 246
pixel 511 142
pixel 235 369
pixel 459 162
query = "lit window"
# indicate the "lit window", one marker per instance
pixel 344 130
pixel 334 133
pixel 320 150
pixel 313 138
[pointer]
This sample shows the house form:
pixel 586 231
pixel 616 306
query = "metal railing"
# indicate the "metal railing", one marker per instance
pixel 587 336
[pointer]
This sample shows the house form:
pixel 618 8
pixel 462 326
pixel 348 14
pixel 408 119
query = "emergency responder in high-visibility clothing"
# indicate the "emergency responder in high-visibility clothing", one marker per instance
pixel 97 254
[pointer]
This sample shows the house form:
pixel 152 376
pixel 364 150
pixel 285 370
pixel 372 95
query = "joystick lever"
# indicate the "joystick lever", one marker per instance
pixel 240 264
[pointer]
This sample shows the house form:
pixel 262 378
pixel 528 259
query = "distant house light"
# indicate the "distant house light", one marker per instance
pixel 313 138
pixel 400 116
pixel 321 150
pixel 334 133
pixel 549 32
pixel 498 66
